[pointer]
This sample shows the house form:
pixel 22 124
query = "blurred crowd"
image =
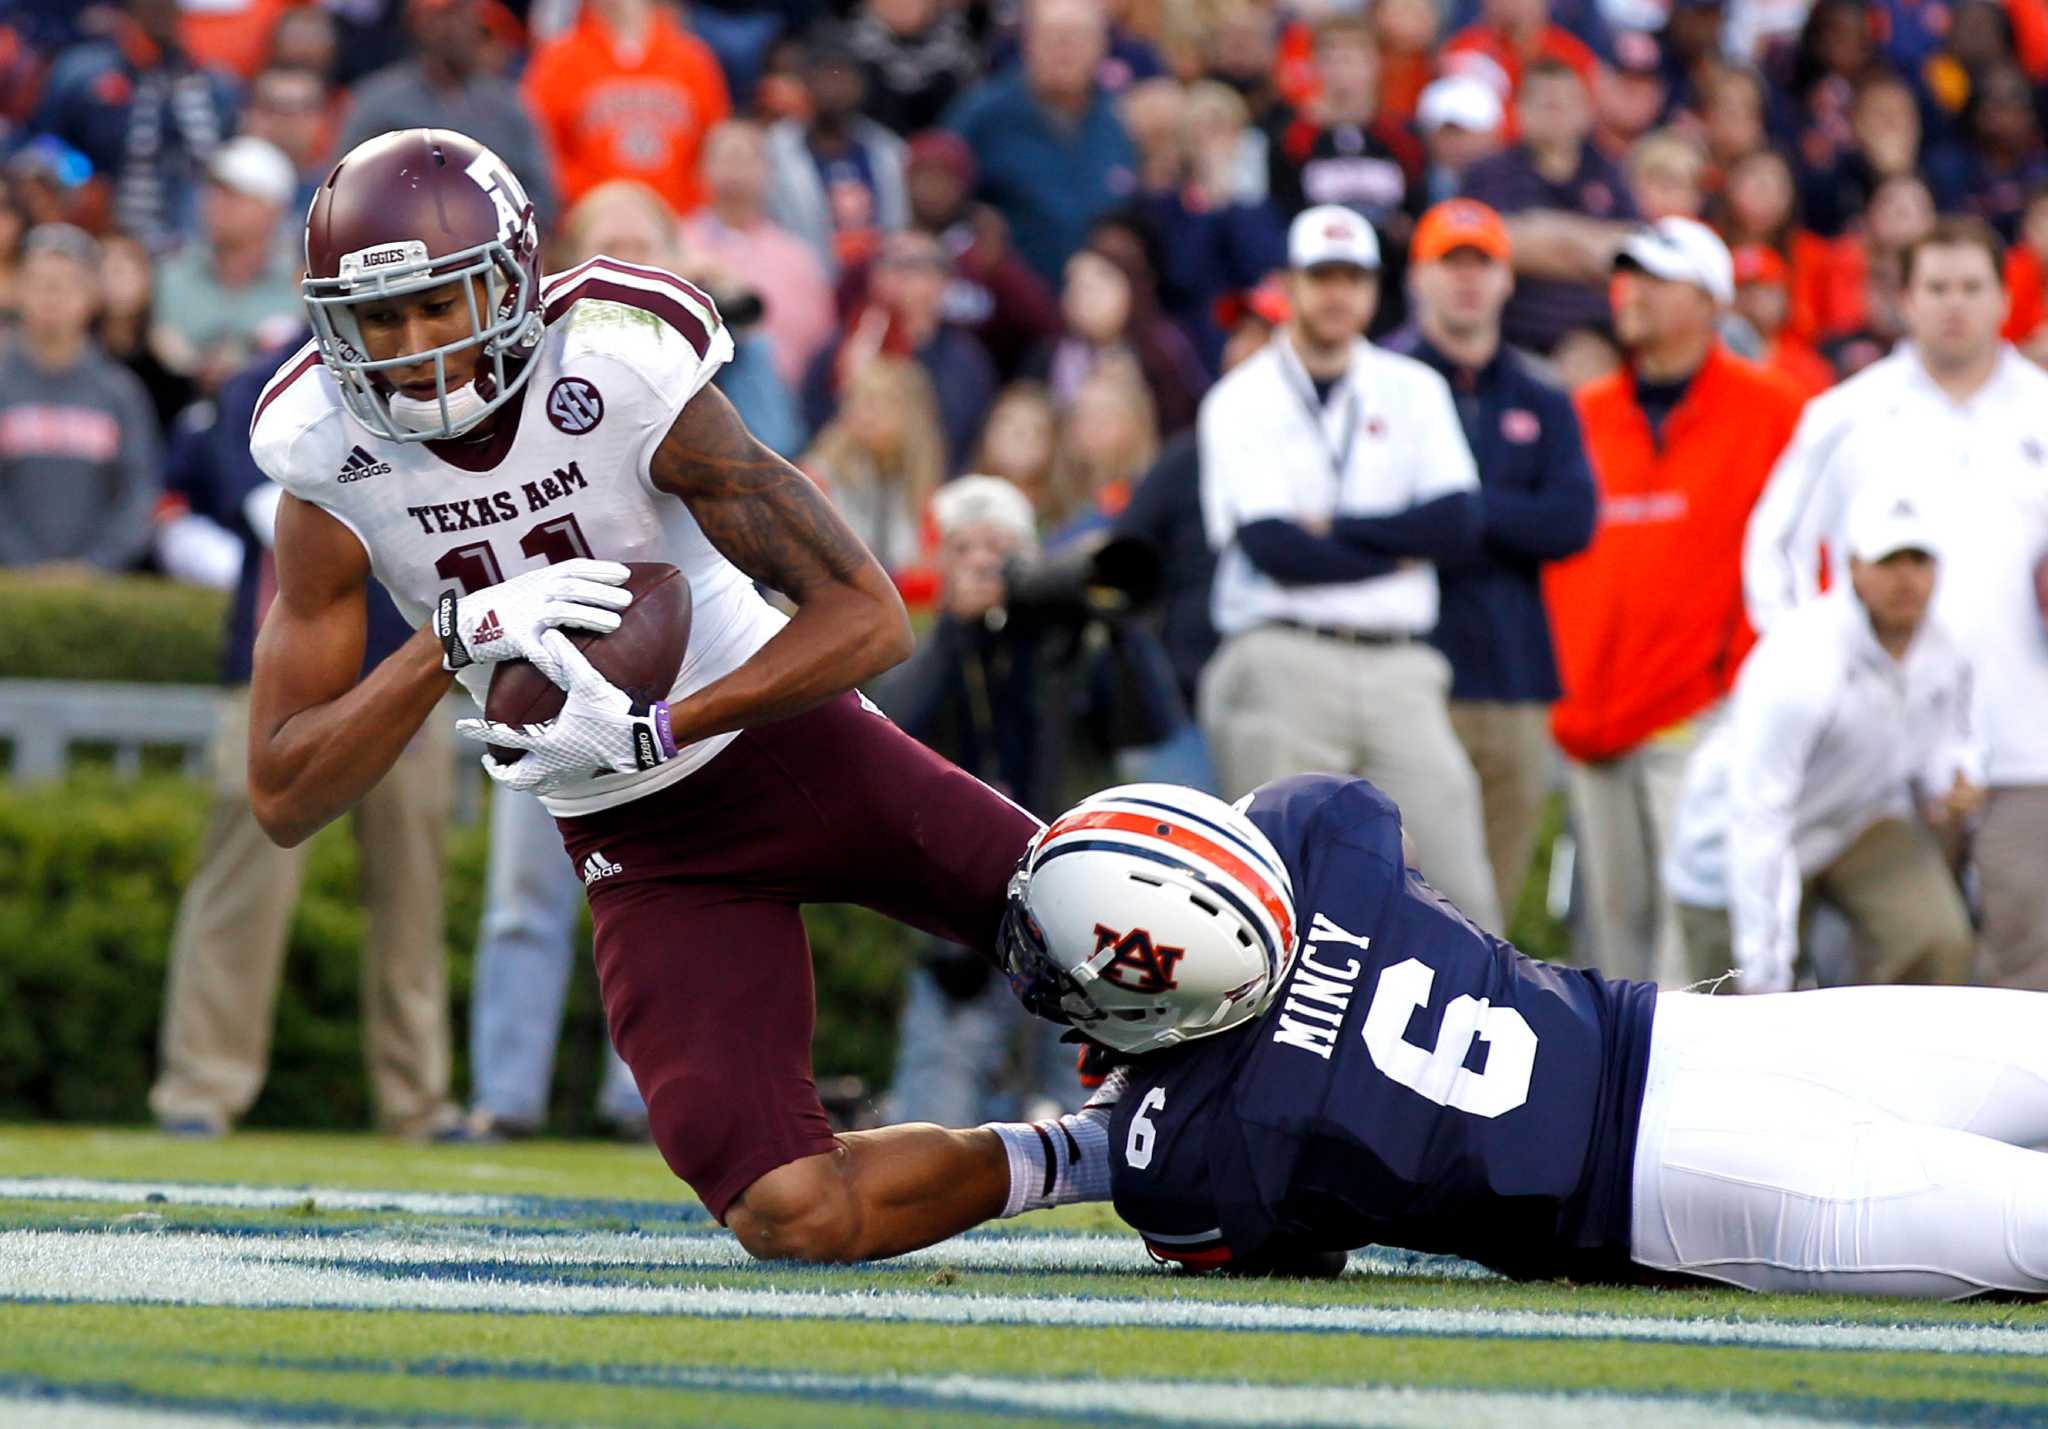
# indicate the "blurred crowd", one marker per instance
pixel 1449 391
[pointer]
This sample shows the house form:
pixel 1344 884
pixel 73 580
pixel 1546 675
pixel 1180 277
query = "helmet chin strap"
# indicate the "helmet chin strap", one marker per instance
pixel 466 407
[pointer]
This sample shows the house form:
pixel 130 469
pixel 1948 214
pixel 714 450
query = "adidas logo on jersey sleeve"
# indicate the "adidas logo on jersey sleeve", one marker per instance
pixel 597 866
pixel 361 466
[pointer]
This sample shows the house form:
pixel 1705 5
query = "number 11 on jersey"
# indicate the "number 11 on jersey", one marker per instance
pixel 475 566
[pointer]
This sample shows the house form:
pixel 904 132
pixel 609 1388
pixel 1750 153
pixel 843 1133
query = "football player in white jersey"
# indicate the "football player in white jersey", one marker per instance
pixel 492 443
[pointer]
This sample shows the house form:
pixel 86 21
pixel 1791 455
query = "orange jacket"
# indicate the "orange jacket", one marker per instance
pixel 608 117
pixel 1648 619
pixel 1796 360
pixel 2026 292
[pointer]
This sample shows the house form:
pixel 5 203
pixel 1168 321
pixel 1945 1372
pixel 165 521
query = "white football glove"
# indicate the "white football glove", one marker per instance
pixel 506 621
pixel 599 731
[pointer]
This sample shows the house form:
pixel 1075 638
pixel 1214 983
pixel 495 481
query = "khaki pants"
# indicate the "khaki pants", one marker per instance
pixel 1276 701
pixel 2011 854
pixel 1509 746
pixel 1623 810
pixel 1903 907
pixel 227 950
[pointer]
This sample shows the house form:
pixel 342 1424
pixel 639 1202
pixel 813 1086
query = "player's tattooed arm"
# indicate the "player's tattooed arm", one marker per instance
pixel 773 522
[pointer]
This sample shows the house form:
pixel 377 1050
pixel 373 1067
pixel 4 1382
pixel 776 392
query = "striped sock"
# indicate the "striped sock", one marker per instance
pixel 1060 1162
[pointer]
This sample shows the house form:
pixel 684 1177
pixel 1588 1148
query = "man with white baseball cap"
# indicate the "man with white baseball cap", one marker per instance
pixel 1847 749
pixel 233 290
pixel 1459 117
pixel 1680 250
pixel 1648 620
pixel 1335 476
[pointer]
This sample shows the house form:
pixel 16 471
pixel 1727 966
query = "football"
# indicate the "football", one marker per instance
pixel 641 657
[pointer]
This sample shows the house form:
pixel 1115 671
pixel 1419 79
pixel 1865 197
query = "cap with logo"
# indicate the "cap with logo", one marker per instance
pixel 1460 223
pixel 1461 101
pixel 1885 519
pixel 1681 250
pixel 1330 233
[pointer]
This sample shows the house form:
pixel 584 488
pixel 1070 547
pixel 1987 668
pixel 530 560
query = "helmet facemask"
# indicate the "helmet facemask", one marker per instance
pixel 404 270
pixel 1045 988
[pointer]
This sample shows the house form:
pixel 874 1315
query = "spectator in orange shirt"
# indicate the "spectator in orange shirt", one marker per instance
pixel 1824 280
pixel 1512 33
pixel 1649 620
pixel 627 93
pixel 1763 297
pixel 229 34
pixel 1407 31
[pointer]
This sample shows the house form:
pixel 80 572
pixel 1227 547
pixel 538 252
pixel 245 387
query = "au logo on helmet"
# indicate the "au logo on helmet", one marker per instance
pixel 1137 958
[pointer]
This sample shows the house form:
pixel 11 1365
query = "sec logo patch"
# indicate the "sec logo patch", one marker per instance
pixel 574 406
pixel 1520 426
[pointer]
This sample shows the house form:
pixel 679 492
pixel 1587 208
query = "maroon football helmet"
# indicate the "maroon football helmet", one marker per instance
pixel 406 211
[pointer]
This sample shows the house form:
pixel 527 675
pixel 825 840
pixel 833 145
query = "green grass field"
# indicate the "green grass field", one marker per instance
pixel 313 1279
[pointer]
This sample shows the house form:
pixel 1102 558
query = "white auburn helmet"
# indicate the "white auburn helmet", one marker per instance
pixel 1148 915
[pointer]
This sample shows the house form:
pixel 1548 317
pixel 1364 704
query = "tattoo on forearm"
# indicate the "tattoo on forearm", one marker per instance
pixel 763 515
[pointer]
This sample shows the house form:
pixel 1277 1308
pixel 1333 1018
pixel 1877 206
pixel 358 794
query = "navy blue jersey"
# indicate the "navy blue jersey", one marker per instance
pixel 1417 1083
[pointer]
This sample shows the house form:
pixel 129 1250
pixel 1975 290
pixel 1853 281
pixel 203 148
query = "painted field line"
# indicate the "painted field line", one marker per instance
pixel 278 1198
pixel 393 1273
pixel 1093 1401
pixel 704 1246
pixel 68 1413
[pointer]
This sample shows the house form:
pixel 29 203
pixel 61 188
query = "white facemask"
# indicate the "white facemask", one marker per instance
pixel 466 407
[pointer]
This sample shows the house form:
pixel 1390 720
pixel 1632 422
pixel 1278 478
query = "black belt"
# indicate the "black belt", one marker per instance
pixel 1347 636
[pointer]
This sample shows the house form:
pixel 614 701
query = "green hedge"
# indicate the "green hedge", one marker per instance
pixel 131 628
pixel 90 872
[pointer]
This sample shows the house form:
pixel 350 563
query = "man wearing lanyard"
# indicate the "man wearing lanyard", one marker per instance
pixel 1335 476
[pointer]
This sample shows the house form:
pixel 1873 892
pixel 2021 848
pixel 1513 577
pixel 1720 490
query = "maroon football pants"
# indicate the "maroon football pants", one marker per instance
pixel 701 953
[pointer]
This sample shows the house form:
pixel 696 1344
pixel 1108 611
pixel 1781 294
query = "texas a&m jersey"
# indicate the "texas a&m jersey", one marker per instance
pixel 1417 1082
pixel 562 474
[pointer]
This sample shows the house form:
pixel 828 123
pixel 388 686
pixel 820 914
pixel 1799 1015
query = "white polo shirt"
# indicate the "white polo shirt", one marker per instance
pixel 1984 463
pixel 1387 439
pixel 1826 734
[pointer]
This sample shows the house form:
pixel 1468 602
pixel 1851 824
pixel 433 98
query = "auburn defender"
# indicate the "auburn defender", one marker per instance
pixel 492 443
pixel 1403 1078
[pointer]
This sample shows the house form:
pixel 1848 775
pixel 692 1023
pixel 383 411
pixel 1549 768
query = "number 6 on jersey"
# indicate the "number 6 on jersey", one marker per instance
pixel 1138 1145
pixel 1439 1073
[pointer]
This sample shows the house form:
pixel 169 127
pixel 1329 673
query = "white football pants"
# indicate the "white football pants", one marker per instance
pixel 1862 1141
